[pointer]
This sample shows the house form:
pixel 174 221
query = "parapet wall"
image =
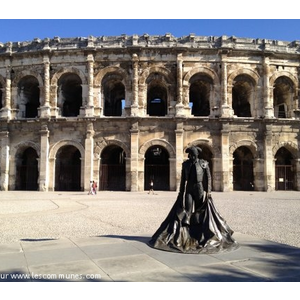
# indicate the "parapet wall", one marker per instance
pixel 151 41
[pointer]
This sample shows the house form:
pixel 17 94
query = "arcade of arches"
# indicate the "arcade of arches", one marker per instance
pixel 122 110
pixel 113 175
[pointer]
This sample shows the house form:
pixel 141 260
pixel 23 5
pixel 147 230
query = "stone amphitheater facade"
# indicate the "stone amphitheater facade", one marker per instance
pixel 122 110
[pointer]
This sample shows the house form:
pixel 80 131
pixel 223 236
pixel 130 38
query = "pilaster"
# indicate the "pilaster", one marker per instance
pixel 4 160
pixel 88 156
pixel 180 108
pixel 268 91
pixel 6 109
pixel 135 86
pixel 134 165
pixel 258 170
pixel 296 164
pixel 179 153
pixel 269 160
pixel 217 174
pixel 89 107
pixel 44 110
pixel 44 159
pixel 226 109
pixel 226 162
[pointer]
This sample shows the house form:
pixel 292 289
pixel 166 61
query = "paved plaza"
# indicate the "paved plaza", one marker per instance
pixel 72 236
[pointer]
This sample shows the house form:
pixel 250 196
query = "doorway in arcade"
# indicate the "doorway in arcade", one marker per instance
pixel 284 170
pixel 68 169
pixel 157 169
pixel 113 169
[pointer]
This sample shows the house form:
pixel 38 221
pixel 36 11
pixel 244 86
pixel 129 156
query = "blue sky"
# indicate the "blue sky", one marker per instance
pixel 28 29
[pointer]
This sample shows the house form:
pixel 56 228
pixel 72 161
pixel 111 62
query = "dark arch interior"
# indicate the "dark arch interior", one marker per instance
pixel 241 93
pixel 27 170
pixel 283 157
pixel 243 177
pixel 199 95
pixel 70 92
pixel 28 89
pixel 157 168
pixel 114 93
pixel 156 100
pixel 68 169
pixel 284 172
pixel 281 94
pixel 113 169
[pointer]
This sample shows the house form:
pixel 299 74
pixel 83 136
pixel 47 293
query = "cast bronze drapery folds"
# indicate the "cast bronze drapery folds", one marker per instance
pixel 193 224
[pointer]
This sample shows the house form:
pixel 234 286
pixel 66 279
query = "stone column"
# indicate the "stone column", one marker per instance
pixel 96 168
pixel 227 185
pixel 179 152
pixel 135 86
pixel 89 156
pixel 4 160
pixel 127 171
pixel 44 110
pixel 217 174
pixel 269 160
pixel 44 160
pixel 258 170
pixel 225 107
pixel 55 110
pixel 134 165
pixel 268 91
pixel 180 111
pixel 89 110
pixel 296 164
pixel 52 167
pixel 173 169
pixel 6 110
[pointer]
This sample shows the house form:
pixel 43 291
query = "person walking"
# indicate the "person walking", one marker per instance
pixel 91 192
pixel 151 187
pixel 95 187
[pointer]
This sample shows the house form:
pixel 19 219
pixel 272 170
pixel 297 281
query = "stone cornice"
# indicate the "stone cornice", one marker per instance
pixel 167 41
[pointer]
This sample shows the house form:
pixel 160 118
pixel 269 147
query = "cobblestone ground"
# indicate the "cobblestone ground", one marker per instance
pixel 272 216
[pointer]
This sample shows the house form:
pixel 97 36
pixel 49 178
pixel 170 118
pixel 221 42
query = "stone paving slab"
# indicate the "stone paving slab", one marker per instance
pixel 79 270
pixel 130 259
pixel 126 257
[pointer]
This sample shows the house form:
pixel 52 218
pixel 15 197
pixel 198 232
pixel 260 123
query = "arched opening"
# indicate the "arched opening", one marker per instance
pixel 206 154
pixel 28 97
pixel 283 95
pixel 243 176
pixel 241 94
pixel 114 94
pixel 27 170
pixel 157 96
pixel 68 169
pixel 113 169
pixel 69 94
pixel 199 95
pixel 157 168
pixel 284 172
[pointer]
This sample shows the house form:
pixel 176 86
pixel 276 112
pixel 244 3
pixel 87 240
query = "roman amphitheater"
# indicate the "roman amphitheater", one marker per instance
pixel 122 110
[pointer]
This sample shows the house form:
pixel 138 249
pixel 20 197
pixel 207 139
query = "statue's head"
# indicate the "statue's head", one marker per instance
pixel 193 152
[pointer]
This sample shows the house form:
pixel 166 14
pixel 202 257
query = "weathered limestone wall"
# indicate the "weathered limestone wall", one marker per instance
pixel 250 85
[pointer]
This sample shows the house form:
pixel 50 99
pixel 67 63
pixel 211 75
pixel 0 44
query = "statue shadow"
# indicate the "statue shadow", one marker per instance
pixel 142 239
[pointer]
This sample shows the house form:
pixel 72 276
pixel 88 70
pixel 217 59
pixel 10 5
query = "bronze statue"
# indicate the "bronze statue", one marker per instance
pixel 193 224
